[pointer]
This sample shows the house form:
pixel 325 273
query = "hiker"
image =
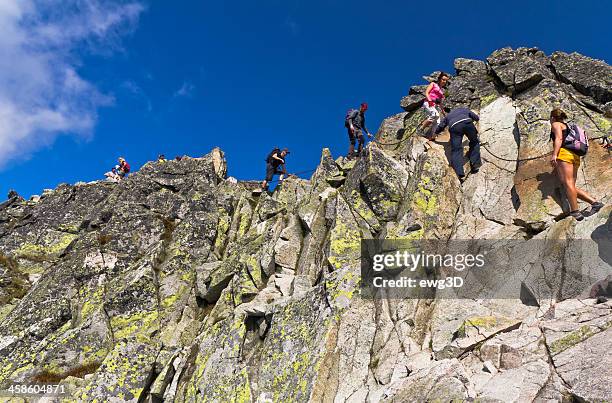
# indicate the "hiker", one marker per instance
pixel 569 143
pixel 355 123
pixel 434 96
pixel 119 171
pixel 124 168
pixel 460 122
pixel 161 158
pixel 113 174
pixel 275 159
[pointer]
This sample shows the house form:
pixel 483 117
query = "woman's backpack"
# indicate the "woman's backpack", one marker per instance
pixel 576 140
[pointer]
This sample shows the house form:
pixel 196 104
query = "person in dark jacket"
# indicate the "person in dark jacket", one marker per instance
pixel 460 122
pixel 275 164
pixel 355 123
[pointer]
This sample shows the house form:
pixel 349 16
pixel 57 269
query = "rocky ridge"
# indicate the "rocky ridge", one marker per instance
pixel 178 284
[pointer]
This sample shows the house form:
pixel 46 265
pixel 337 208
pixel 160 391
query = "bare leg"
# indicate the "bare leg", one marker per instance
pixel 581 194
pixel 566 176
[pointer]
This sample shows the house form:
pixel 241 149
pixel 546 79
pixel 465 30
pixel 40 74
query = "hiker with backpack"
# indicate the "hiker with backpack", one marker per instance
pixel 124 168
pixel 354 121
pixel 275 164
pixel 570 143
pixel 460 122
pixel 118 171
pixel 434 97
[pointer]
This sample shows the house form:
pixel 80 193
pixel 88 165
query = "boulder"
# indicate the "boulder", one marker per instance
pixel 520 69
pixel 589 76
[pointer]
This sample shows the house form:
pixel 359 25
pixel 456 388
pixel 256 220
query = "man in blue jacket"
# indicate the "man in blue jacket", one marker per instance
pixel 460 122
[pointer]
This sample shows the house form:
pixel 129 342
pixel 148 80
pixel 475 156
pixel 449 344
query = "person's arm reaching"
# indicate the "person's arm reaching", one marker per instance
pixel 276 157
pixel 474 116
pixel 442 125
pixel 364 126
pixel 351 127
pixel 558 133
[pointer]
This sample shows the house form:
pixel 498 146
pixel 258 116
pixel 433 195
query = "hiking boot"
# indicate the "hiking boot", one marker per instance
pixel 474 169
pixel 577 215
pixel 595 207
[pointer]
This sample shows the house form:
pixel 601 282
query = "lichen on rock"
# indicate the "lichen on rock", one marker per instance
pixel 180 284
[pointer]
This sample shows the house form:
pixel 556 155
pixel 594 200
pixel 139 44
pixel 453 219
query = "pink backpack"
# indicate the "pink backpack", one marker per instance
pixel 576 140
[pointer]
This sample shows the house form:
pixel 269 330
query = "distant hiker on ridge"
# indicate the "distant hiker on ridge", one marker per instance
pixel 275 159
pixel 354 121
pixel 569 144
pixel 434 96
pixel 460 122
pixel 119 171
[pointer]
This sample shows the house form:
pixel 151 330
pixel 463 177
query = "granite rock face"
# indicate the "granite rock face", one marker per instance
pixel 179 284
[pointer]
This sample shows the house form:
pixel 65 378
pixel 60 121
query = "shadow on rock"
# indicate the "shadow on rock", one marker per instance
pixel 603 237
pixel 550 187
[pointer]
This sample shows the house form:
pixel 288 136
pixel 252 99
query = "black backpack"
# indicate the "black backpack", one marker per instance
pixel 269 158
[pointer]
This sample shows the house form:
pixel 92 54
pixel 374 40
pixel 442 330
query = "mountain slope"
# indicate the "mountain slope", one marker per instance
pixel 182 285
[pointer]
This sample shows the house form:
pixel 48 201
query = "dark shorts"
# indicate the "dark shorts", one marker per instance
pixel 271 170
pixel 356 135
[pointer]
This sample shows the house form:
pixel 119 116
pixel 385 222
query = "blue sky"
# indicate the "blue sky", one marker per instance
pixel 136 79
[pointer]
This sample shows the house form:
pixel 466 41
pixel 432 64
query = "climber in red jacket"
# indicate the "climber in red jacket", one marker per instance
pixel 124 168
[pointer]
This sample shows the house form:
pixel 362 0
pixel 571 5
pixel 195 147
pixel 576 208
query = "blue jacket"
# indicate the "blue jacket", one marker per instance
pixel 455 116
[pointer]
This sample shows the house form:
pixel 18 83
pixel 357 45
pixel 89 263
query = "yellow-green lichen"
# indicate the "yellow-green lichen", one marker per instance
pixel 71 228
pixel 486 322
pixel 140 325
pixel 571 339
pixel 220 387
pixel 92 301
pixel 487 99
pixel 425 201
pixel 223 226
pixel 169 300
pixel 254 268
pixel 603 124
pixel 52 250
pixel 361 207
pixel 345 245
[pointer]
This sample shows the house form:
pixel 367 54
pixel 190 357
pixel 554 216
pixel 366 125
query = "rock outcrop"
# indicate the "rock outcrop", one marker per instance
pixel 178 284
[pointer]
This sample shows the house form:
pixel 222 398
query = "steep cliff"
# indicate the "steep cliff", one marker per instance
pixel 181 285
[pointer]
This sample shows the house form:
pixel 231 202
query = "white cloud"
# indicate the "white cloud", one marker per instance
pixel 186 90
pixel 42 94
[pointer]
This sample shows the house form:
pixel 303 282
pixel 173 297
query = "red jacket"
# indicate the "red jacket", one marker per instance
pixel 125 167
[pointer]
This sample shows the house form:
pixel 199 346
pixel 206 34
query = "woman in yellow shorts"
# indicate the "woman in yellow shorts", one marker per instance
pixel 566 163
